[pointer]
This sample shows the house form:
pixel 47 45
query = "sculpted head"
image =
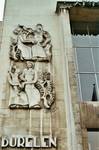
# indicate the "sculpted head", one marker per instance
pixel 18 29
pixel 29 64
pixel 39 28
pixel 13 69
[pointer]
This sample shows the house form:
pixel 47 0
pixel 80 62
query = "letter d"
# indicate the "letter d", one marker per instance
pixel 4 142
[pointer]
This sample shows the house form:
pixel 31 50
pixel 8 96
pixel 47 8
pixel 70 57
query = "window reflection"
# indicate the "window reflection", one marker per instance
pixel 87 81
pixel 94 40
pixel 93 140
pixel 84 60
pixel 81 41
pixel 96 58
pixel 86 44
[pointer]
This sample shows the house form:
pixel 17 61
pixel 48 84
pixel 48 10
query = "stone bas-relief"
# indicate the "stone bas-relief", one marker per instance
pixel 29 44
pixel 29 76
pixel 17 96
pixel 28 89
pixel 28 79
pixel 46 88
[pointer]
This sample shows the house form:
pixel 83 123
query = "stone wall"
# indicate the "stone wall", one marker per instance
pixel 64 119
pixel 1 28
pixel 89 112
pixel 51 122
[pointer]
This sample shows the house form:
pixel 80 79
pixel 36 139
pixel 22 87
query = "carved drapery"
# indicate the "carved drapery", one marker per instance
pixel 29 76
pixel 30 44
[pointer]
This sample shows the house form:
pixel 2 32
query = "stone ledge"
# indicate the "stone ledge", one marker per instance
pixel 89 114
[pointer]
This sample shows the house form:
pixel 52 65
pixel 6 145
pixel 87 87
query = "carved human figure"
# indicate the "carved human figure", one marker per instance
pixel 27 89
pixel 37 49
pixel 31 44
pixel 29 77
pixel 25 42
pixel 17 97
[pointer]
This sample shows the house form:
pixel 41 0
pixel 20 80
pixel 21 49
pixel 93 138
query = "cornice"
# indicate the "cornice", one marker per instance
pixel 68 5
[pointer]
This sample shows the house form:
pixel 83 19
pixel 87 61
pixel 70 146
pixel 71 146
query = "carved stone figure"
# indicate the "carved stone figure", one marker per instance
pixel 31 44
pixel 27 90
pixel 17 98
pixel 30 86
pixel 29 77
pixel 42 44
pixel 25 43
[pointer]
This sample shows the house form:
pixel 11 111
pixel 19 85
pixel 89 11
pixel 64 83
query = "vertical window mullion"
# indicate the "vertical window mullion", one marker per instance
pixel 94 68
pixel 78 75
pixel 93 60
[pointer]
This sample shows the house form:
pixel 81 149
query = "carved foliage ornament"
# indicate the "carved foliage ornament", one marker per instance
pixel 29 87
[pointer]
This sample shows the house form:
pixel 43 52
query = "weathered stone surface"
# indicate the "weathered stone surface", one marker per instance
pixel 1 30
pixel 39 122
pixel 66 119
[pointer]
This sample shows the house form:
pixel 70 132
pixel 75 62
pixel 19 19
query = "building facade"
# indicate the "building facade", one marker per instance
pixel 1 30
pixel 49 75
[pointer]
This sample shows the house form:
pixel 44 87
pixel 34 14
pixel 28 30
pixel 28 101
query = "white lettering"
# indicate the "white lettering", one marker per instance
pixel 35 142
pixel 45 141
pixel 29 142
pixel 13 142
pixel 52 142
pixel 21 142
pixel 4 142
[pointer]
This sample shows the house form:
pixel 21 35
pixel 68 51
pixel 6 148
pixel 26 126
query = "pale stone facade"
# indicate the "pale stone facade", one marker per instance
pixel 37 122
pixel 1 30
pixel 63 118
